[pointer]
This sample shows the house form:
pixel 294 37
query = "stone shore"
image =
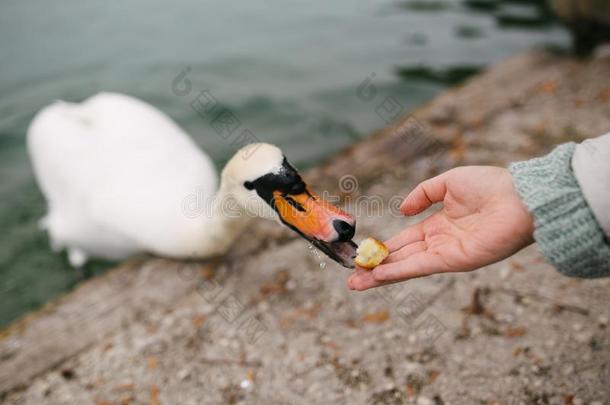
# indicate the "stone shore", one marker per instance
pixel 273 322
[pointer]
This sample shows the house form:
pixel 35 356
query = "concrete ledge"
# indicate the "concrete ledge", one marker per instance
pixel 151 331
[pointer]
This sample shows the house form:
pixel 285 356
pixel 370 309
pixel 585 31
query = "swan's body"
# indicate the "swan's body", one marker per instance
pixel 120 178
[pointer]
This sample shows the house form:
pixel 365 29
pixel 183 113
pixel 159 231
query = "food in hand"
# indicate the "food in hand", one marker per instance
pixel 371 252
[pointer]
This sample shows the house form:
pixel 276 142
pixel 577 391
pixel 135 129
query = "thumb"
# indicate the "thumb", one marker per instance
pixel 425 194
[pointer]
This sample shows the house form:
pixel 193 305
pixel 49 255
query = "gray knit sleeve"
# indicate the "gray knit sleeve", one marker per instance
pixel 565 228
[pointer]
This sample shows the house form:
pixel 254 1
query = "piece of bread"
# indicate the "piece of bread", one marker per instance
pixel 371 252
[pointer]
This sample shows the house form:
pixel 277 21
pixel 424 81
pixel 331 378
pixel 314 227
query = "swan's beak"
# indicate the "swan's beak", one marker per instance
pixel 328 227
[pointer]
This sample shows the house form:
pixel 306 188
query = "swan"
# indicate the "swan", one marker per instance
pixel 121 178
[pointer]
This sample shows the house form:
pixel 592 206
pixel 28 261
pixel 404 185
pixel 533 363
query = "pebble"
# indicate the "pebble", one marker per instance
pixel 442 114
pixel 602 320
pixel 602 51
pixel 184 374
pixel 425 401
pixel 389 386
pixel 506 317
pixel 389 335
pixel 245 384
pixel 505 272
pixel 206 309
pixel 44 387
pixel 410 367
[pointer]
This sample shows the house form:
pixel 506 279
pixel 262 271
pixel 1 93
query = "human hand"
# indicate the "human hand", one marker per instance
pixel 483 220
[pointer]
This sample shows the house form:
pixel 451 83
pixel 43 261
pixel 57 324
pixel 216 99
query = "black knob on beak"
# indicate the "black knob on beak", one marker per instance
pixel 345 230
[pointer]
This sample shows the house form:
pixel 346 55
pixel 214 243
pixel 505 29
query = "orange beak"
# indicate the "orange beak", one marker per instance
pixel 313 217
pixel 328 227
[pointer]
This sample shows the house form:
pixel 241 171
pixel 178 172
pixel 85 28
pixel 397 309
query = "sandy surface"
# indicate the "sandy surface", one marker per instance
pixel 274 323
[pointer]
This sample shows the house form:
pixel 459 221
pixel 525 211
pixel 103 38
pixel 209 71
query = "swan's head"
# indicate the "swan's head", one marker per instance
pixel 263 182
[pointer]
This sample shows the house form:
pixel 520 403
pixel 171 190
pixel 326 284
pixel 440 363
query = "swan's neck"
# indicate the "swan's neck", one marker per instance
pixel 224 221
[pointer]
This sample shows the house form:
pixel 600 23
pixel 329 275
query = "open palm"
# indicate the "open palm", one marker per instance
pixel 481 222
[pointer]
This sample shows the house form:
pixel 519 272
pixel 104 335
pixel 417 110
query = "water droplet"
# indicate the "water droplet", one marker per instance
pixel 323 265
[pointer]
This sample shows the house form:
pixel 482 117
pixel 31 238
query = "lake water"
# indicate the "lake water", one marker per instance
pixel 288 70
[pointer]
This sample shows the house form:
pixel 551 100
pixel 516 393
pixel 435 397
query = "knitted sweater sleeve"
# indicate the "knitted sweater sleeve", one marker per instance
pixel 566 228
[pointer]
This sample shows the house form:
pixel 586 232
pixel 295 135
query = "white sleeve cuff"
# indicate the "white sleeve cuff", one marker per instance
pixel 591 167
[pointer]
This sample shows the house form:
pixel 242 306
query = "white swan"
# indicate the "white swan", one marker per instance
pixel 120 177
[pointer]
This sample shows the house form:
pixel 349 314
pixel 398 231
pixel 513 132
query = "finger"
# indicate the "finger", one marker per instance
pixel 424 195
pixel 363 280
pixel 414 233
pixel 405 252
pixel 416 265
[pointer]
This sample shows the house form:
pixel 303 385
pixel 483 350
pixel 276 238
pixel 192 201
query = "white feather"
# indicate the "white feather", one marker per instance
pixel 117 173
